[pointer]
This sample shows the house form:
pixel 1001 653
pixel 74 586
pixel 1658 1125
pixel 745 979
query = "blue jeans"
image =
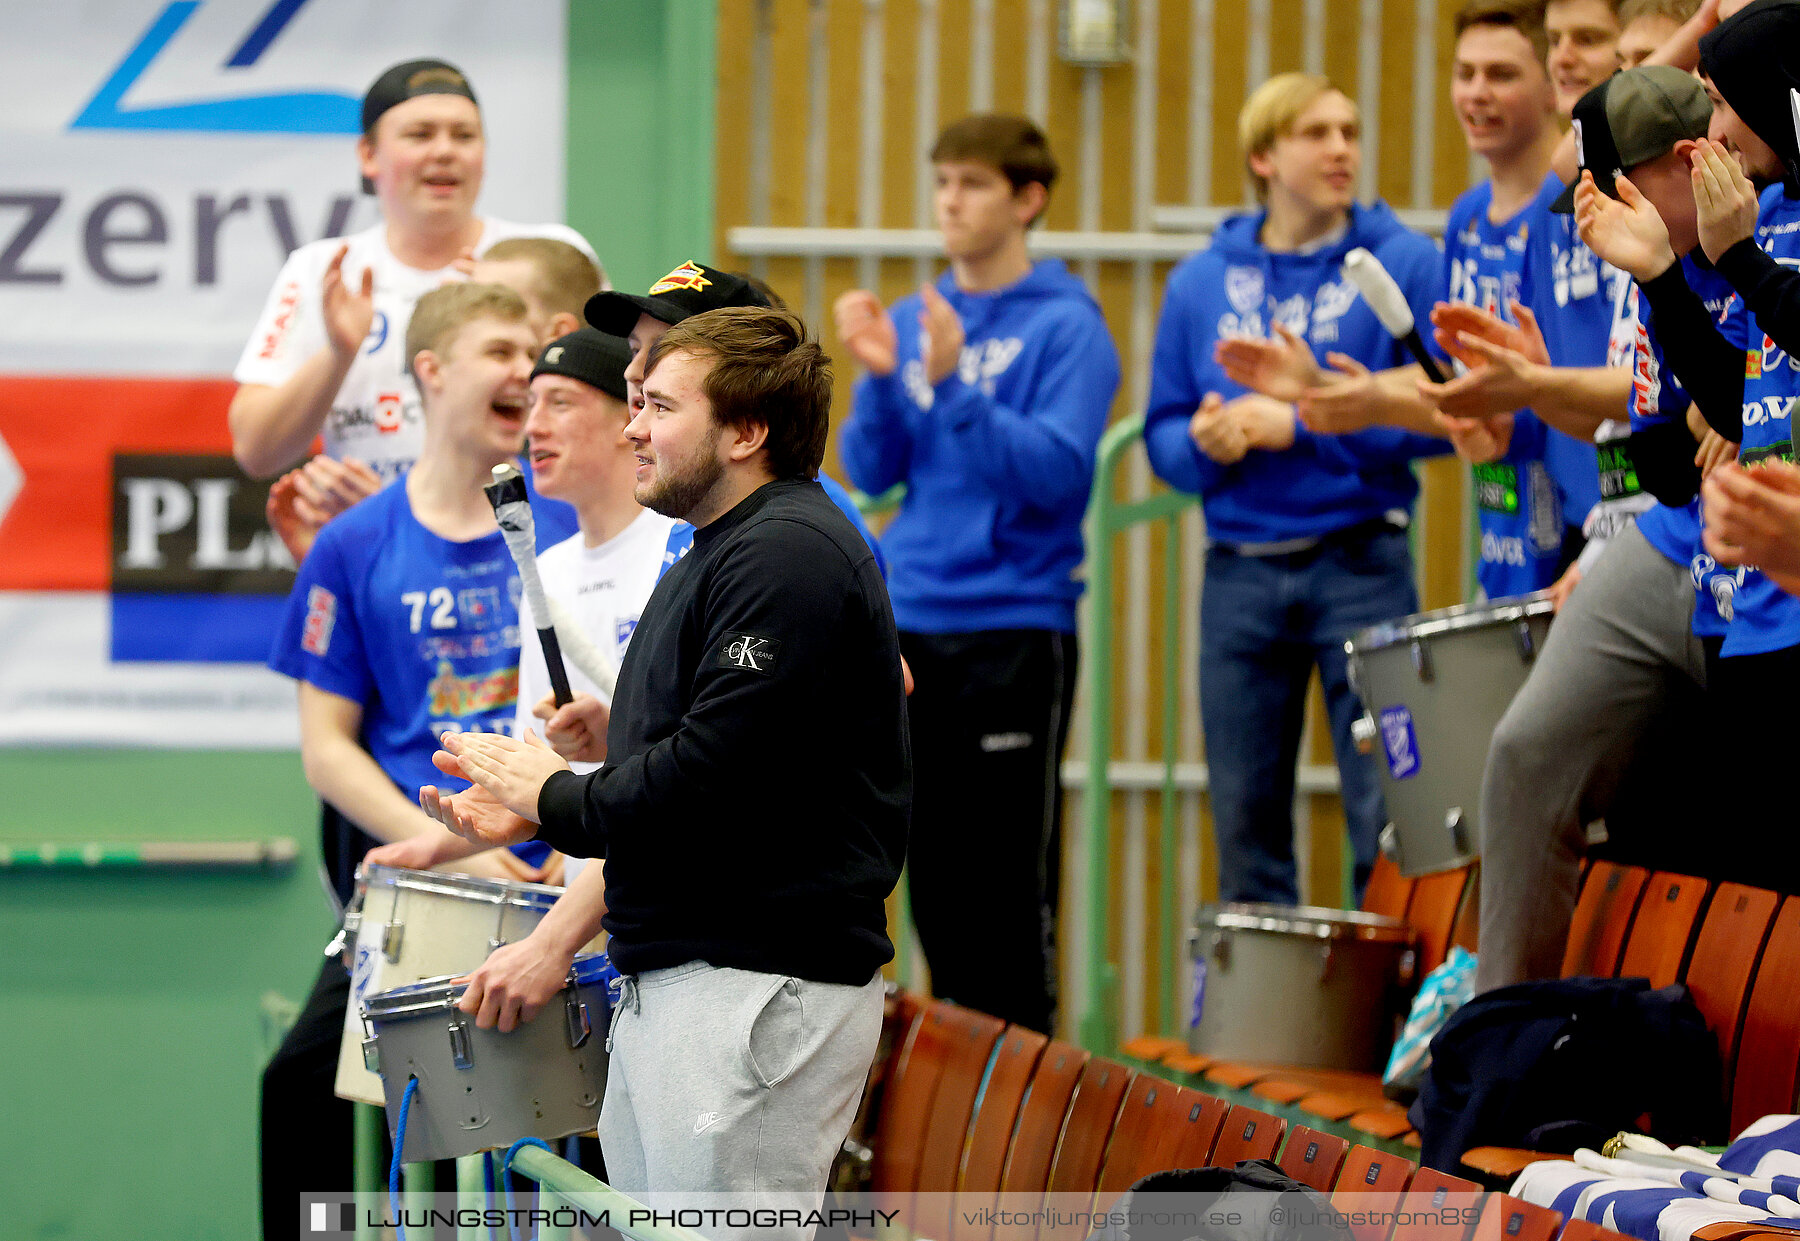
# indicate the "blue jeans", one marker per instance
pixel 1265 623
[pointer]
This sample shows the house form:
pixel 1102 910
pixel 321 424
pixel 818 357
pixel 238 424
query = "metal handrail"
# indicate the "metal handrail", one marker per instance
pixel 148 854
pixel 578 1189
pixel 1106 518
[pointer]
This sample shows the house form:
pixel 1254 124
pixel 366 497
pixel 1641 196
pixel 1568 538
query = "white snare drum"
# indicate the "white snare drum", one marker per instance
pixel 1295 985
pixel 1434 687
pixel 408 925
pixel 481 1089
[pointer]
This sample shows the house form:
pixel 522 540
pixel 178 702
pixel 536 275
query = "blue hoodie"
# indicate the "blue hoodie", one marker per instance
pixel 998 459
pixel 1236 287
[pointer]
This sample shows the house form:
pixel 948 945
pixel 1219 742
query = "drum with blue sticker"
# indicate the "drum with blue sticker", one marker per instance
pixel 1434 686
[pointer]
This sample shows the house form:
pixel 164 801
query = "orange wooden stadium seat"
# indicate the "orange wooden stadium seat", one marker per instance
pixel 1081 1147
pixel 1506 1218
pixel 1313 1158
pixel 1151 1047
pixel 906 1102
pixel 1726 951
pixel 1436 901
pixel 972 1036
pixel 1371 1181
pixel 1015 1064
pixel 1033 1144
pixel 1153 1108
pixel 1768 1051
pixel 1502 1163
pixel 1657 945
pixel 990 1136
pixel 1387 1121
pixel 1247 1134
pixel 1603 913
pixel 1388 890
pixel 1189 1141
pixel 1432 1206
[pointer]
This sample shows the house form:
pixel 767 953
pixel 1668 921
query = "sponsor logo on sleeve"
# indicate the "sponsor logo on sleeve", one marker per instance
pixel 321 619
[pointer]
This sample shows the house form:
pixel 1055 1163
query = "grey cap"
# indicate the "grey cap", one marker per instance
pixel 1635 116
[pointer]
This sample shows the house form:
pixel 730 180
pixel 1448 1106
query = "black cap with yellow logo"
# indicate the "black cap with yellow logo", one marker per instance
pixel 690 289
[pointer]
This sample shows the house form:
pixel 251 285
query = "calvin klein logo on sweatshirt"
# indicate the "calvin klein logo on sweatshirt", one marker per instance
pixel 747 650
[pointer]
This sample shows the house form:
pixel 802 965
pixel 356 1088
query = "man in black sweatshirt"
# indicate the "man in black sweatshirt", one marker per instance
pixel 753 808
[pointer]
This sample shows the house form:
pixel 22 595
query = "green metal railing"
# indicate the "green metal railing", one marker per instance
pixel 30 855
pixel 1107 518
pixel 571 1185
pixel 557 1178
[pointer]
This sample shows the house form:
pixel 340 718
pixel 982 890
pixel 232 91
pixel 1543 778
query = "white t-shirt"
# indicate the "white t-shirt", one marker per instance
pixel 604 588
pixel 375 416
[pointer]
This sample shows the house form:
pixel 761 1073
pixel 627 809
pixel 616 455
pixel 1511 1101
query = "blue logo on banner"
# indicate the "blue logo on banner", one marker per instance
pixel 319 112
pixel 1398 739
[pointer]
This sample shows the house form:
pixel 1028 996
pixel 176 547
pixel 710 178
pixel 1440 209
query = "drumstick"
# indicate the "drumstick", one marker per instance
pixel 1371 279
pixel 512 509
pixel 554 619
pixel 581 651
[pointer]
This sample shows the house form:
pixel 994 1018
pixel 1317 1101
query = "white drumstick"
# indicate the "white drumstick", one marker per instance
pixel 1378 288
pixel 512 509
pixel 580 649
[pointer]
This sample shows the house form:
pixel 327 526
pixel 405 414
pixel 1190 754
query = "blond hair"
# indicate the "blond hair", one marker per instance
pixel 1270 113
pixel 565 277
pixel 444 311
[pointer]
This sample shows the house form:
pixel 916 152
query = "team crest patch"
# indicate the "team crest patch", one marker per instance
pixel 1753 359
pixel 748 651
pixel 688 276
pixel 321 618
pixel 1244 289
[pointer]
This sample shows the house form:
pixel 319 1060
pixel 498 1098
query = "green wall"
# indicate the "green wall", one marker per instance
pixel 132 1003
pixel 131 1017
pixel 642 84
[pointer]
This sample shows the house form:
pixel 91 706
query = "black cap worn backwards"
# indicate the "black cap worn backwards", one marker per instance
pixel 690 289
pixel 409 80
pixel 596 358
pixel 1633 117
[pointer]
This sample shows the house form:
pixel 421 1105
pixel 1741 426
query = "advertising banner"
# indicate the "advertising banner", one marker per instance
pixel 158 161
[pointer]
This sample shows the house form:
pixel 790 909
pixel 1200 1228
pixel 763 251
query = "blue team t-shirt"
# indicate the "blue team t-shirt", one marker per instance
pixel 421 631
pixel 1658 398
pixel 1573 295
pixel 1517 505
pixel 1765 617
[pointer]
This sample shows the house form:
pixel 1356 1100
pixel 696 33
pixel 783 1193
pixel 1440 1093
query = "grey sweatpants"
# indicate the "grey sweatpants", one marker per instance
pixel 732 1083
pixel 1605 671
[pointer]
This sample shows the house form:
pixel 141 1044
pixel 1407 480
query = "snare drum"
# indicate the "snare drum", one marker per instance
pixel 1295 985
pixel 408 925
pixel 1434 687
pixel 481 1089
